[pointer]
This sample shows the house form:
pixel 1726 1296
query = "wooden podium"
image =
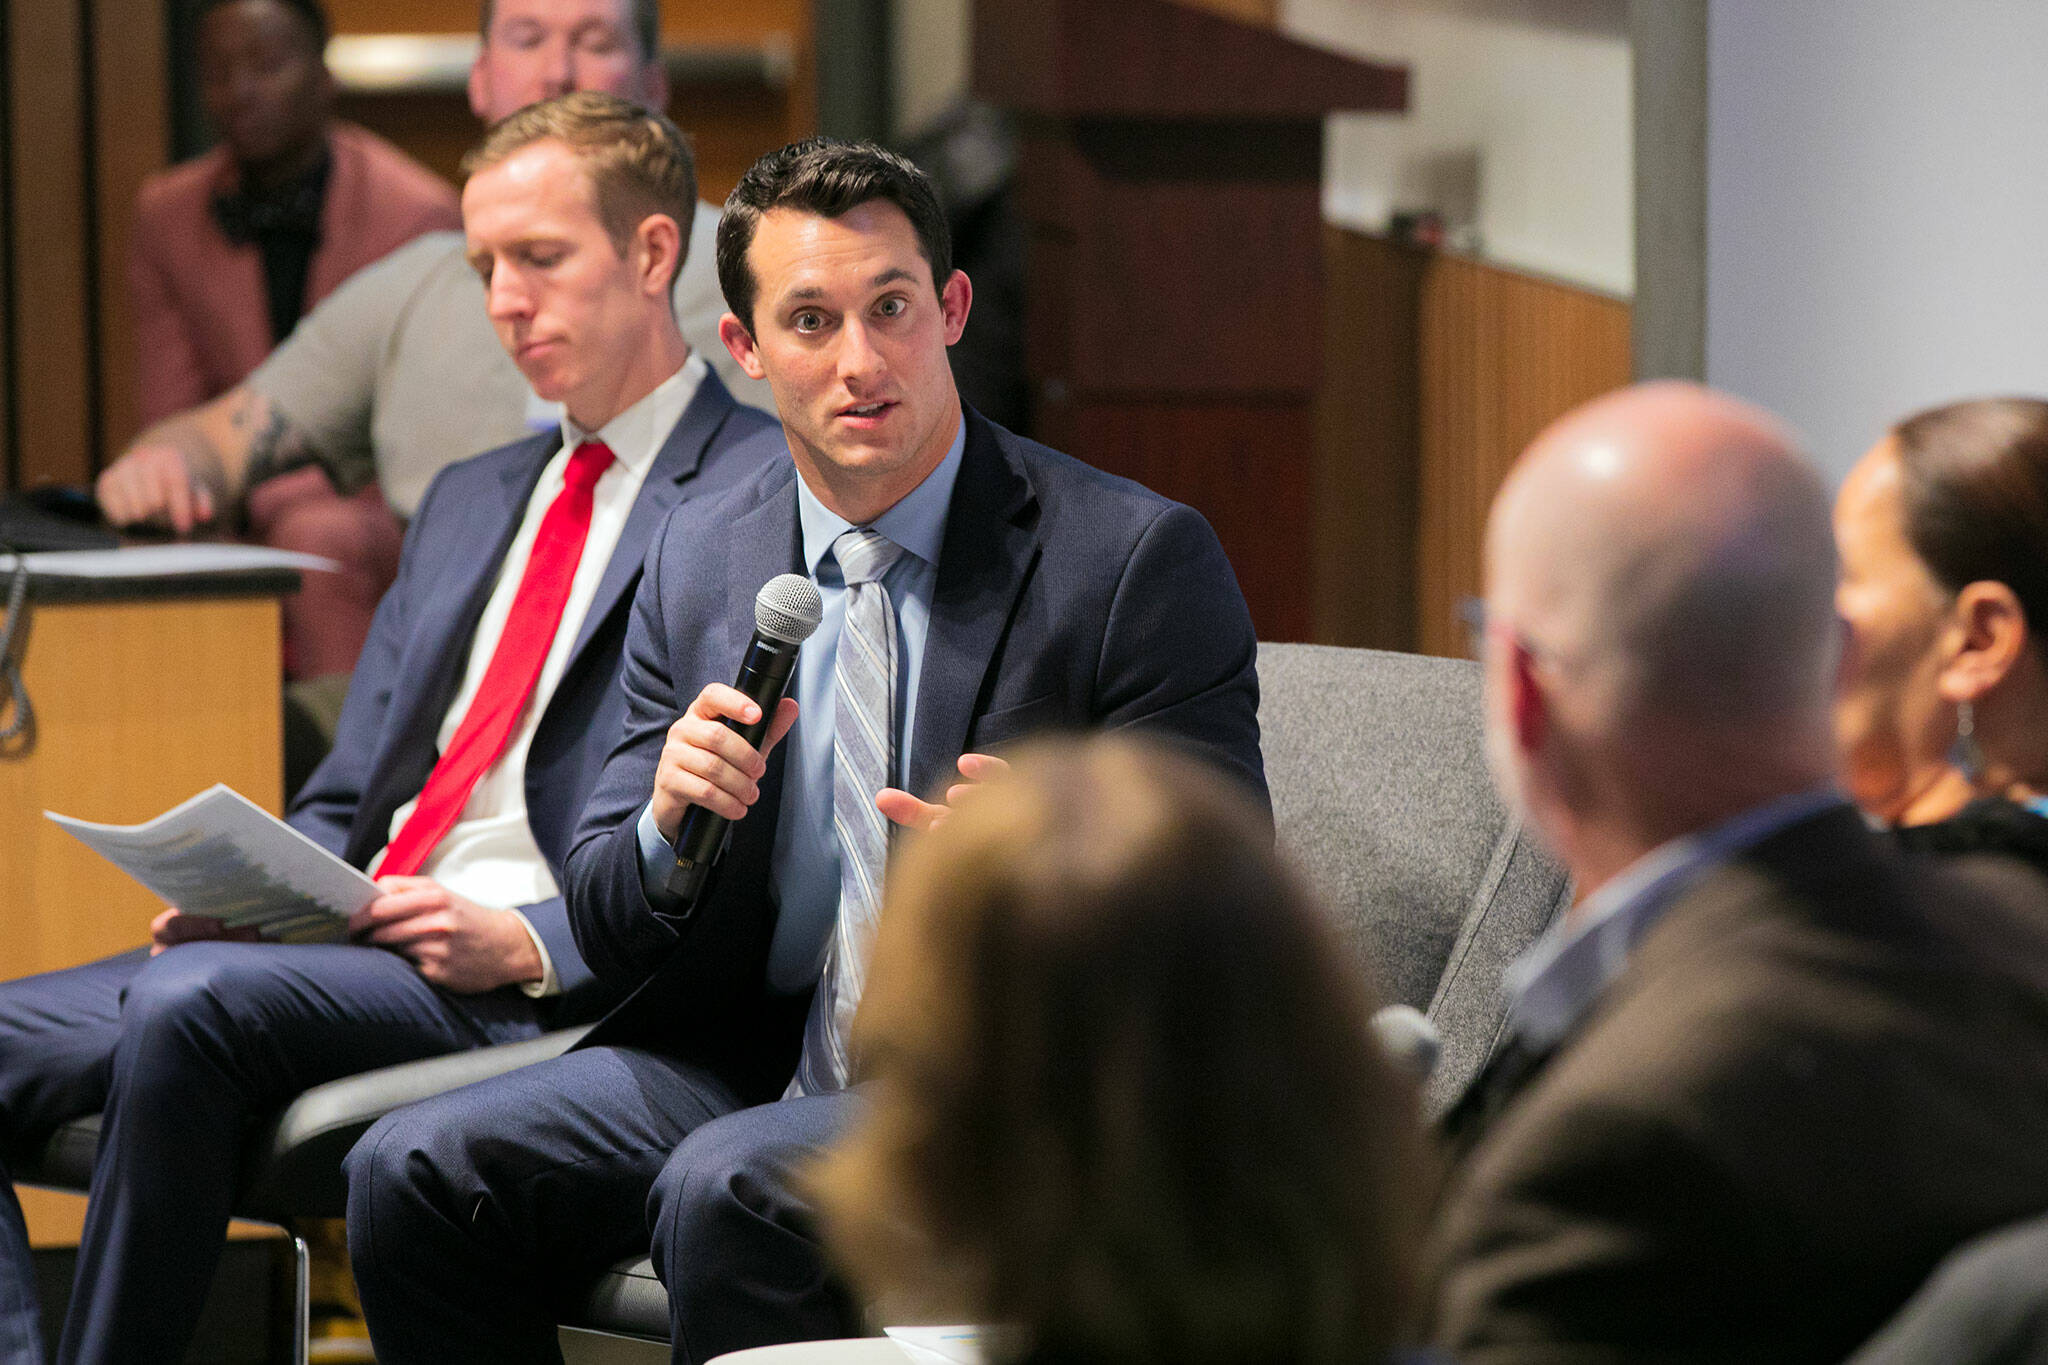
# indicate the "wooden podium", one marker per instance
pixel 1170 176
pixel 144 692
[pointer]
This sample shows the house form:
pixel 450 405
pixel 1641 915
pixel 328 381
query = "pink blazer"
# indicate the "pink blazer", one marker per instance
pixel 200 320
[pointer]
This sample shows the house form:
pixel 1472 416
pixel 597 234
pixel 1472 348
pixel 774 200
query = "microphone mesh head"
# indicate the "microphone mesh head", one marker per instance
pixel 1409 1037
pixel 788 608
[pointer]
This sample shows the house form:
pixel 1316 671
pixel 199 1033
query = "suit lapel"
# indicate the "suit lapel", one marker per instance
pixel 450 619
pixel 674 465
pixel 762 543
pixel 984 562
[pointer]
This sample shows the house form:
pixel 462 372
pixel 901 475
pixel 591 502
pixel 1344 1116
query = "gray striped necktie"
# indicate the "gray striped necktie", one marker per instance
pixel 864 681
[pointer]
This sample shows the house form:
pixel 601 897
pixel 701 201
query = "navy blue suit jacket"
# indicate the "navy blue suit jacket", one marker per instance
pixel 1066 598
pixel 418 649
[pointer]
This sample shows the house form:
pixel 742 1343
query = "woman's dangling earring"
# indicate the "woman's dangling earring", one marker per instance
pixel 1966 755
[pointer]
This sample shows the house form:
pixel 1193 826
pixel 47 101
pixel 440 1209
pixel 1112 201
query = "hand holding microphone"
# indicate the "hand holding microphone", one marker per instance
pixel 713 757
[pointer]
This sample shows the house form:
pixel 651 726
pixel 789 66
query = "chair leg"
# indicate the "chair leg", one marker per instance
pixel 302 1298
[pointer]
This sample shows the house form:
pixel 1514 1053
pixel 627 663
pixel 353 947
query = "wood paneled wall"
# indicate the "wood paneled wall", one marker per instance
pixel 1368 438
pixel 129 64
pixel 199 695
pixel 1438 370
pixel 1503 355
pixel 49 323
pixel 86 119
pixel 1263 13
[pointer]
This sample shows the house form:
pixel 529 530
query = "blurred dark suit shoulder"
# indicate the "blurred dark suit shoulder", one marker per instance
pixel 1822 1069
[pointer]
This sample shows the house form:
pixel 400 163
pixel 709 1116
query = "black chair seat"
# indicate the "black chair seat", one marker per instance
pixel 627 1300
pixel 65 1161
pixel 292 1165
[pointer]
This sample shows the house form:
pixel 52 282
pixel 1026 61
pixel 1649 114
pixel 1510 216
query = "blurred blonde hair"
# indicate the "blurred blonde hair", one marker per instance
pixel 1124 1094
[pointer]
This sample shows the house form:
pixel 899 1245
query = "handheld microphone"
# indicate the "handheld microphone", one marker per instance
pixel 786 611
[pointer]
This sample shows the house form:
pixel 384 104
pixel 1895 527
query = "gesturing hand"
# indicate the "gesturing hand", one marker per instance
pixel 705 763
pixel 455 943
pixel 906 810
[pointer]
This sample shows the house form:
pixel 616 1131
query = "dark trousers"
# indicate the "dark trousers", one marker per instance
pixel 476 1217
pixel 184 1053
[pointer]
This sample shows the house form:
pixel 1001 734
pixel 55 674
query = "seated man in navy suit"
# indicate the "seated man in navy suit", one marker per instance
pixel 475 726
pixel 977 587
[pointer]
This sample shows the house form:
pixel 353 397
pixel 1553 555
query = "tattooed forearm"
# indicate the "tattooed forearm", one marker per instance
pixel 274 445
pixel 220 448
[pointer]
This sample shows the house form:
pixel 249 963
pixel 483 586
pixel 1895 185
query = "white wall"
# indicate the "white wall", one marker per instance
pixel 1877 208
pixel 1520 121
pixel 933 41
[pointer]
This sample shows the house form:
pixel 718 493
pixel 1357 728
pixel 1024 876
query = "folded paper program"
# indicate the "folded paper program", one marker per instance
pixel 219 854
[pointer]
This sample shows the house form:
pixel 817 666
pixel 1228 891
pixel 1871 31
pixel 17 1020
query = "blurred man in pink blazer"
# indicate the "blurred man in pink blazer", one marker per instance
pixel 232 248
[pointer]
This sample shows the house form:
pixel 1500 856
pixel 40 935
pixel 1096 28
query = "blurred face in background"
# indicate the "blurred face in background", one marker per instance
pixel 537 49
pixel 1891 722
pixel 262 80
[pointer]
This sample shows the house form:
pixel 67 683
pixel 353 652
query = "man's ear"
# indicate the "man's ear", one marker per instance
pixel 1981 641
pixel 660 244
pixel 1528 708
pixel 740 342
pixel 954 302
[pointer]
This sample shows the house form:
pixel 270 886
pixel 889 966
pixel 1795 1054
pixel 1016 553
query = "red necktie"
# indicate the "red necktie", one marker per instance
pixel 514 668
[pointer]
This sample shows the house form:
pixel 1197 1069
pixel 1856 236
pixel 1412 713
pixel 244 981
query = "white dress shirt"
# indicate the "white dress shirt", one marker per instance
pixel 490 856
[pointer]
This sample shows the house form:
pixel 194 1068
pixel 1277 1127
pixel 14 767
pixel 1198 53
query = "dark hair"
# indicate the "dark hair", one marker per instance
pixel 646 25
pixel 827 177
pixel 638 162
pixel 310 12
pixel 1123 1090
pixel 1976 497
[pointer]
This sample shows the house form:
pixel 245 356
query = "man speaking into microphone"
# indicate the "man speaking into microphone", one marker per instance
pixel 976 587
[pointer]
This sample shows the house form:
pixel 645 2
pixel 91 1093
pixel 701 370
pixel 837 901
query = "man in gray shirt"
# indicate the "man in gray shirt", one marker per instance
pixel 397 373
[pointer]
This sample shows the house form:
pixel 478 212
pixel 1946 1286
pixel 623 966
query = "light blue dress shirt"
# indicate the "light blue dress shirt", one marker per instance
pixel 1554 983
pixel 804 872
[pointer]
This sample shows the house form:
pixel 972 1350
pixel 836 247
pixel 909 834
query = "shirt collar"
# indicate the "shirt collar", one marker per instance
pixel 917 522
pixel 636 435
pixel 1553 984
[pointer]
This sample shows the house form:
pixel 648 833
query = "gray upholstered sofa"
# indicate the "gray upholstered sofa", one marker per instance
pixel 1380 792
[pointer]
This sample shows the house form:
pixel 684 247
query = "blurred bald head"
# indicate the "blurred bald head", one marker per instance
pixel 1660 561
